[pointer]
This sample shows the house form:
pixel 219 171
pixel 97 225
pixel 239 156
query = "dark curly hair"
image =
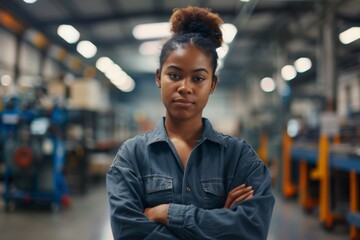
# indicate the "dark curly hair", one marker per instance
pixel 194 26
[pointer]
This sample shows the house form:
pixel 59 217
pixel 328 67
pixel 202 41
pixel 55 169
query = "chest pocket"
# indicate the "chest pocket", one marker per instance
pixel 158 190
pixel 214 193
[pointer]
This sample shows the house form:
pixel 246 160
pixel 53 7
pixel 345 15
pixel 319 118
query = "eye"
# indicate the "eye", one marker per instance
pixel 198 79
pixel 174 76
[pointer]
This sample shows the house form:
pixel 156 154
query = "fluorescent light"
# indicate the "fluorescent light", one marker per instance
pixel 267 84
pixel 103 64
pixel 152 30
pixel 222 51
pixel 150 48
pixel 120 79
pixel 244 0
pixel 113 72
pixel 6 80
pixel 68 33
pixel 30 1
pixel 288 72
pixel 350 35
pixel 162 30
pixel 302 64
pixel 293 127
pixel 87 49
pixel 229 31
pixel 129 85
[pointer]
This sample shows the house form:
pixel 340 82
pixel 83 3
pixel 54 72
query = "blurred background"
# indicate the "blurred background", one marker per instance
pixel 77 79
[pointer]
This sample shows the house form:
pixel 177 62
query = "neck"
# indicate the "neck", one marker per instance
pixel 187 130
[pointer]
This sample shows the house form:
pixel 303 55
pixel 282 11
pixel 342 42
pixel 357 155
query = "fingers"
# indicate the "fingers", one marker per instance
pixel 248 195
pixel 232 194
pixel 238 194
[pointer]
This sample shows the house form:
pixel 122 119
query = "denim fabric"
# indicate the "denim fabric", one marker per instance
pixel 147 171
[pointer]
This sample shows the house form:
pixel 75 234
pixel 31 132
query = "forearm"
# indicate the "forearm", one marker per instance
pixel 140 229
pixel 126 209
pixel 249 220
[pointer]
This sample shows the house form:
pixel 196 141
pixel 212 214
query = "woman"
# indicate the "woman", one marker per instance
pixel 184 180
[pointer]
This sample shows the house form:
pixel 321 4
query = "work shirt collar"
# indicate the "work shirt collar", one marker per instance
pixel 159 134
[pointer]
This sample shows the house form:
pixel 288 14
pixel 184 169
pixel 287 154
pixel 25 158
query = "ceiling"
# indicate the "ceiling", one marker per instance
pixel 270 32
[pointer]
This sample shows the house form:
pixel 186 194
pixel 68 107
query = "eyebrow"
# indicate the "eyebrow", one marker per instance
pixel 180 69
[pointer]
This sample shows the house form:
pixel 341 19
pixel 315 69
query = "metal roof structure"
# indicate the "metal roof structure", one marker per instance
pixel 270 32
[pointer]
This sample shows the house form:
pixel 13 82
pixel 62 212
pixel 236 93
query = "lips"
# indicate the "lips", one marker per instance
pixel 183 102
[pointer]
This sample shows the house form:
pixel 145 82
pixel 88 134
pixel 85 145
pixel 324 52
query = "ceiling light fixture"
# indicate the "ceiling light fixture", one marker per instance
pixel 267 84
pixel 222 51
pixel 302 64
pixel 162 30
pixel 152 30
pixel 6 80
pixel 229 32
pixel 86 48
pixel 104 64
pixel 150 48
pixel 30 1
pixel 350 35
pixel 288 72
pixel 68 33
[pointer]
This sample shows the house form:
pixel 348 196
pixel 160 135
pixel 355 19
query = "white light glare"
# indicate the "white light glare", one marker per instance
pixel 103 64
pixel 30 1
pixel 87 49
pixel 302 64
pixel 68 33
pixel 288 72
pixel 119 78
pixel 162 30
pixel 150 48
pixel 267 84
pixel 244 0
pixel 293 127
pixel 222 51
pixel 6 80
pixel 350 35
pixel 152 30
pixel 229 31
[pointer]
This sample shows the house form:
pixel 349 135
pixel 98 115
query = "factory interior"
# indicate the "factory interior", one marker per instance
pixel 77 78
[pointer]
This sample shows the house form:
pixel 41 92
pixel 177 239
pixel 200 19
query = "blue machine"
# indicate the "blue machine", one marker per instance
pixel 34 156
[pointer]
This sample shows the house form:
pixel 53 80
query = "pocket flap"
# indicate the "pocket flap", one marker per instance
pixel 213 186
pixel 155 183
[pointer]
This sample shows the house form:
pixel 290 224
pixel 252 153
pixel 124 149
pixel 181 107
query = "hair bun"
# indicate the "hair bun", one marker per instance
pixel 196 20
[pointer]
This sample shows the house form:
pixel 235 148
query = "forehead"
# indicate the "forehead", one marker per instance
pixel 188 57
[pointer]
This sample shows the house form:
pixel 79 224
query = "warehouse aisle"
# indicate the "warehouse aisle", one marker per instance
pixel 87 219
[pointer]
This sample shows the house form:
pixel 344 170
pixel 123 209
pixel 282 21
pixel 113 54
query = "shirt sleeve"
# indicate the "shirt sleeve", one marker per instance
pixel 126 207
pixel 249 219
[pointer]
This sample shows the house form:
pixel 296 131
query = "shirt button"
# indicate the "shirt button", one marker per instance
pixel 188 189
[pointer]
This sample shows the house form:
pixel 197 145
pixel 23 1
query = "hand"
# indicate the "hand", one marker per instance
pixel 157 213
pixel 238 195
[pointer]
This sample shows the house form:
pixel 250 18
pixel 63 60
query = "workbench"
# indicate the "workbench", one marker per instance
pixel 316 161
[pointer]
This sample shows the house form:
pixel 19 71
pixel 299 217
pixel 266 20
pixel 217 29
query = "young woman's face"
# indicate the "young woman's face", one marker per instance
pixel 186 81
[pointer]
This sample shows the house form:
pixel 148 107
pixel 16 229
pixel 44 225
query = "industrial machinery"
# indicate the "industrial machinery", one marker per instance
pixel 34 155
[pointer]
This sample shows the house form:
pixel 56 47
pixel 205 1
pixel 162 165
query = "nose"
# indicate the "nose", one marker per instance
pixel 185 86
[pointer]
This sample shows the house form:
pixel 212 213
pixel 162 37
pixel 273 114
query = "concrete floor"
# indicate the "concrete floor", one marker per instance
pixel 87 219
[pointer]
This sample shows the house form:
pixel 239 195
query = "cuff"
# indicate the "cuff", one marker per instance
pixel 176 215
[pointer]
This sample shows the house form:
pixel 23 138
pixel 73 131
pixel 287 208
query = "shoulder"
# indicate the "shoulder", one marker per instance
pixel 140 140
pixel 230 141
pixel 132 149
pixel 238 147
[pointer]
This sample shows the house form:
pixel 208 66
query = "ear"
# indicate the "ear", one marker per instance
pixel 158 78
pixel 213 84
